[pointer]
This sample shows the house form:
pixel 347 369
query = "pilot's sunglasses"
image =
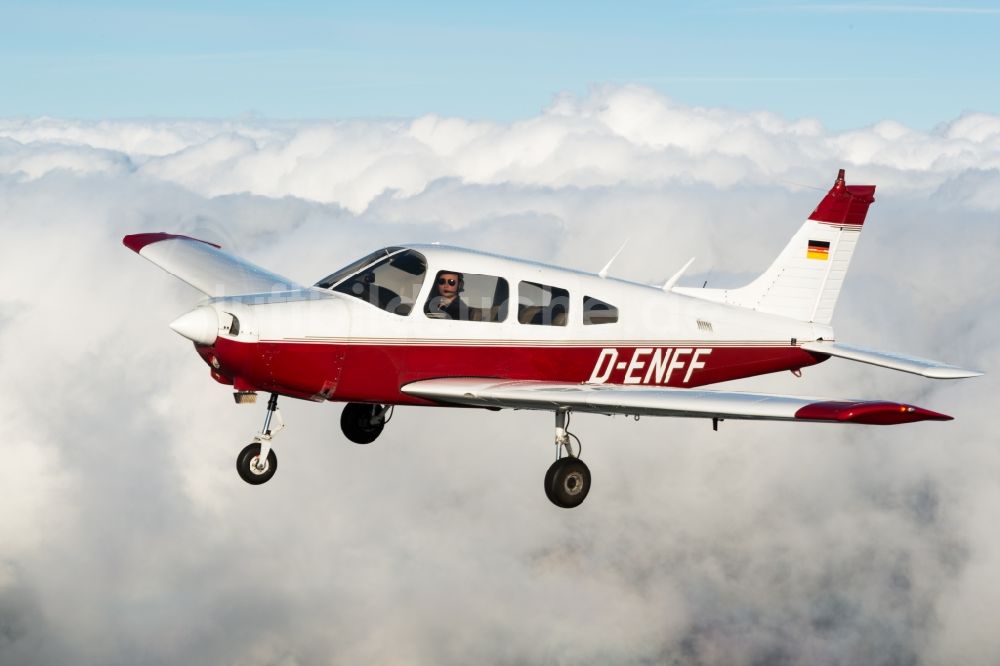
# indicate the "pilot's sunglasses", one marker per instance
pixel 448 281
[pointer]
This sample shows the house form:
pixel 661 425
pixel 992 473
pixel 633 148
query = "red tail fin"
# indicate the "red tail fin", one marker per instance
pixel 844 204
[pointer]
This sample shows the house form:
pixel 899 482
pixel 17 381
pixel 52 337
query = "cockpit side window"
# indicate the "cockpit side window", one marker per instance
pixel 334 278
pixel 468 297
pixel 392 284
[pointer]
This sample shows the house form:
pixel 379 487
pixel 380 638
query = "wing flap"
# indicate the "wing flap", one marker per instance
pixel 663 401
pixel 912 364
pixel 205 266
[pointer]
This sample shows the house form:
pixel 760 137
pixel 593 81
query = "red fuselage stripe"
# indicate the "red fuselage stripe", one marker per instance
pixel 375 373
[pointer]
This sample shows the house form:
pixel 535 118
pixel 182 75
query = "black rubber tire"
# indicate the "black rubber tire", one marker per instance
pixel 569 483
pixel 355 423
pixel 549 473
pixel 244 465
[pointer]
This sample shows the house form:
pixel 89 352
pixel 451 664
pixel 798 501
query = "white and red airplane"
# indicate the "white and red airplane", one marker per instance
pixel 440 326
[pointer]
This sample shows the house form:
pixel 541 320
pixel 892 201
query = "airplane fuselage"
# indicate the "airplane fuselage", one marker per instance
pixel 323 344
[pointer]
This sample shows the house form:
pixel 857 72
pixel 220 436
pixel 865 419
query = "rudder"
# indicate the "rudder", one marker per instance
pixel 805 280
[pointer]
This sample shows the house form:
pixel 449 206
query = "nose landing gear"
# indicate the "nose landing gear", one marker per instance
pixel 257 462
pixel 567 481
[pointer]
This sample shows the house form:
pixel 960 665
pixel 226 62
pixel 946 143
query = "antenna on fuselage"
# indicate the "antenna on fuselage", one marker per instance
pixel 669 284
pixel 604 271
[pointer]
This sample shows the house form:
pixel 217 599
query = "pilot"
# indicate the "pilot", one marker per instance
pixel 445 298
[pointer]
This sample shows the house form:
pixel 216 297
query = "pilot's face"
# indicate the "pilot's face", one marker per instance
pixel 447 285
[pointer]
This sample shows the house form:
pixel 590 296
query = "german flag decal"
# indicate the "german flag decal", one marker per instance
pixel 818 250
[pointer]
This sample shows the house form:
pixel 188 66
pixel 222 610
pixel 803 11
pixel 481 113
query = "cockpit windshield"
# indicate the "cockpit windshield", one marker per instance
pixel 389 279
pixel 354 267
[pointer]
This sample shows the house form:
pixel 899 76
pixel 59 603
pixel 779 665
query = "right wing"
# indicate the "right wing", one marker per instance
pixel 662 401
pixel 205 266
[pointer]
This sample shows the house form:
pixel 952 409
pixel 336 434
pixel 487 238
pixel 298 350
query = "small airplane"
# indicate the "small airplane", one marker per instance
pixel 432 325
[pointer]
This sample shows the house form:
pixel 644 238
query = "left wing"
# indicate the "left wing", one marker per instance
pixel 205 266
pixel 663 401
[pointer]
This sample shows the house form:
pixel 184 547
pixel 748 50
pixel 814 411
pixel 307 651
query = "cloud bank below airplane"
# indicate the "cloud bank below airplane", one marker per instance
pixel 753 543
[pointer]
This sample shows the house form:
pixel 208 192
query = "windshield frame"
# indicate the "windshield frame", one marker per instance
pixel 355 267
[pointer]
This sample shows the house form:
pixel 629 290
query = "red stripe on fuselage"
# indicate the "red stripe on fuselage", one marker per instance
pixel 375 373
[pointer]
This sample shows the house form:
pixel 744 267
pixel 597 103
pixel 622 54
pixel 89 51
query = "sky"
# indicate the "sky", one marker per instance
pixel 126 536
pixel 846 64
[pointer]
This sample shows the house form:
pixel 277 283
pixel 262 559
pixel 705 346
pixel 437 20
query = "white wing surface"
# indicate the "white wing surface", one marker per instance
pixel 205 266
pixel 917 366
pixel 663 401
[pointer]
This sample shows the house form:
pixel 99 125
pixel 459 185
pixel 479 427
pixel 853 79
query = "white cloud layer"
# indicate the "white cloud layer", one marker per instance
pixel 126 536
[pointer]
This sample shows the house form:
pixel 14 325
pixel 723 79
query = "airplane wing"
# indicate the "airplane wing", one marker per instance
pixel 663 401
pixel 205 266
pixel 917 366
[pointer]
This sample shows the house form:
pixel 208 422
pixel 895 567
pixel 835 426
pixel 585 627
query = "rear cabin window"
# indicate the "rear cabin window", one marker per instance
pixel 468 297
pixel 598 312
pixel 541 304
pixel 391 284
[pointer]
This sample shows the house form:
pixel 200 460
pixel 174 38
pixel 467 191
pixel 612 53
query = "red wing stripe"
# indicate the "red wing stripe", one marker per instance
pixel 870 413
pixel 136 242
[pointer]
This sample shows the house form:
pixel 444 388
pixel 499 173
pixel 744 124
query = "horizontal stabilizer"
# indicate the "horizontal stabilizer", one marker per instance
pixel 205 266
pixel 663 401
pixel 917 366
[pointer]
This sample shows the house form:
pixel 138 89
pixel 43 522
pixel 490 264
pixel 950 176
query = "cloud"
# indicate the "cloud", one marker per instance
pixel 127 537
pixel 626 135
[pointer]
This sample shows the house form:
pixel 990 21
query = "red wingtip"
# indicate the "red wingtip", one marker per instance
pixel 870 413
pixel 136 242
pixel 844 204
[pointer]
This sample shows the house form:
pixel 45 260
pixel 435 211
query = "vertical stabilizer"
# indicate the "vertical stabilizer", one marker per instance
pixel 805 280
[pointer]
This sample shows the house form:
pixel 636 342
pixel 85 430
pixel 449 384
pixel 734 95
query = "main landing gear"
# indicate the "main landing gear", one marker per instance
pixel 362 423
pixel 257 462
pixel 568 480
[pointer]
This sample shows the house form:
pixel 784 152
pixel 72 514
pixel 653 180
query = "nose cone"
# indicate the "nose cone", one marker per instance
pixel 200 325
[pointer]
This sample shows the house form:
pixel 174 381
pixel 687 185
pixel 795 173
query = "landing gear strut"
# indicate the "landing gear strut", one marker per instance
pixel 363 423
pixel 567 481
pixel 257 462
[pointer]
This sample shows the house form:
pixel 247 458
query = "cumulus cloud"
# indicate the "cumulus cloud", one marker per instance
pixel 614 136
pixel 126 536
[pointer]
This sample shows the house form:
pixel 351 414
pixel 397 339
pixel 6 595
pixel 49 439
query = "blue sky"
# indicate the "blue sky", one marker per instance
pixel 847 64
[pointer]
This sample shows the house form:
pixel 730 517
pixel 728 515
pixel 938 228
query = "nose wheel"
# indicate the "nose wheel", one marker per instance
pixel 567 481
pixel 253 468
pixel 257 462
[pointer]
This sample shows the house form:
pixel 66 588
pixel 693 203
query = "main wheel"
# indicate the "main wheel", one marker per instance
pixel 249 469
pixel 567 482
pixel 356 422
